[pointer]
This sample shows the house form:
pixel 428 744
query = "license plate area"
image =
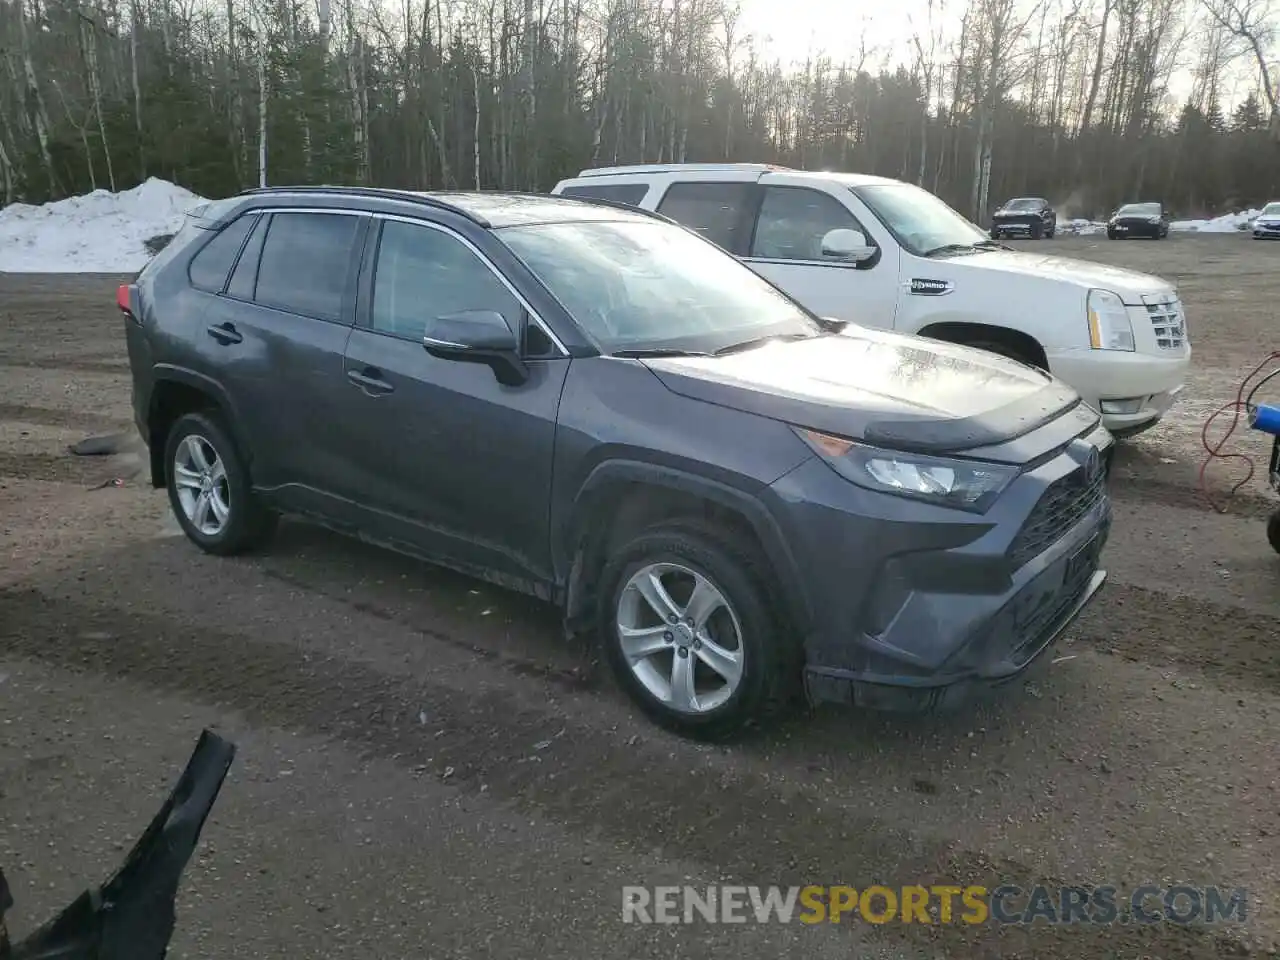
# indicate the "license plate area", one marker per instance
pixel 1036 616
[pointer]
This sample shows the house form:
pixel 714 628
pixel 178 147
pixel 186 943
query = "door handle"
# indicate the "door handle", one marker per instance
pixel 225 333
pixel 369 380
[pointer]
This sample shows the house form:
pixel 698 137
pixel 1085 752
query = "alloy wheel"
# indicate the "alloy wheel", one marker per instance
pixel 200 477
pixel 680 637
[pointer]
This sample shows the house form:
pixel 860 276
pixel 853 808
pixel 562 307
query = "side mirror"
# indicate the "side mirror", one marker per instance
pixel 478 336
pixel 849 245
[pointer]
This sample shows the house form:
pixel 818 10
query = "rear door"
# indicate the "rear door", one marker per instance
pixel 441 444
pixel 277 331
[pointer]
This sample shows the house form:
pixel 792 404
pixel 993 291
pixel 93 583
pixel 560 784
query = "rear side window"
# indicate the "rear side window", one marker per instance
pixel 245 275
pixel 209 268
pixel 307 260
pixel 631 193
pixel 715 210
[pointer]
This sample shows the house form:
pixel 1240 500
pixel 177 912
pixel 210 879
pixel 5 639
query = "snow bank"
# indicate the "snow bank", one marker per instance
pixel 1227 223
pixel 100 232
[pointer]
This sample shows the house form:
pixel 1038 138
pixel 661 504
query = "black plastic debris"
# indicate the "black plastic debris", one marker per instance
pixel 131 916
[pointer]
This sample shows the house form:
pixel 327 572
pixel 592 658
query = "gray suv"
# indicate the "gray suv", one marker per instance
pixel 592 404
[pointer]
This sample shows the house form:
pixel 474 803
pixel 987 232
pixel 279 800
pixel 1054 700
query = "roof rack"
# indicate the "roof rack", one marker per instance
pixel 683 168
pixel 373 193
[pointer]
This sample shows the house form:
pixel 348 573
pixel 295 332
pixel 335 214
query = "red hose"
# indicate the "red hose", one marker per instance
pixel 1215 451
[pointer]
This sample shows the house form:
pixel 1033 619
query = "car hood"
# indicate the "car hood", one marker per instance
pixel 906 393
pixel 1129 285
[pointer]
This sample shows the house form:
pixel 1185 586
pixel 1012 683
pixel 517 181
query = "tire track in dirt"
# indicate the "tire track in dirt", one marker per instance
pixel 1233 648
pixel 58 468
pixel 1186 496
pixel 51 417
pixel 639 795
pixel 69 364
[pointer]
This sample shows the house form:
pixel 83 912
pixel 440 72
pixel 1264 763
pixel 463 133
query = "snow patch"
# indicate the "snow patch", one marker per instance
pixel 100 232
pixel 1227 223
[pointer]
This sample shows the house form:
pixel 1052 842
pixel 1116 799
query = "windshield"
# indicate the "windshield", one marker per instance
pixel 1271 210
pixel 1139 210
pixel 1022 205
pixel 917 219
pixel 636 285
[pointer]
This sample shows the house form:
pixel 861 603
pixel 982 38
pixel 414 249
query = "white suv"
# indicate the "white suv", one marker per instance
pixel 882 253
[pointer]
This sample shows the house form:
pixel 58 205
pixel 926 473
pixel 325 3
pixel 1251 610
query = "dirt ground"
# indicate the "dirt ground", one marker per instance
pixel 427 770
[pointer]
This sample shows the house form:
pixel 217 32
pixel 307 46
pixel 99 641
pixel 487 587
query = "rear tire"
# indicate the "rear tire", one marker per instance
pixel 209 488
pixel 757 662
pixel 1273 531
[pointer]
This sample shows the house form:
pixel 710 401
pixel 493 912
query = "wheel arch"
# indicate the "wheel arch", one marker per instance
pixel 176 392
pixel 621 497
pixel 968 333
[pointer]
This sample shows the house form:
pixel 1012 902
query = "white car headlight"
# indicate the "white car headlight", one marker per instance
pixel 1109 325
pixel 971 485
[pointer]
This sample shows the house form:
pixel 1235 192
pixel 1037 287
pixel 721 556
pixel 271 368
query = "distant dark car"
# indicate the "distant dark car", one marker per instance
pixel 1025 217
pixel 1149 220
pixel 601 408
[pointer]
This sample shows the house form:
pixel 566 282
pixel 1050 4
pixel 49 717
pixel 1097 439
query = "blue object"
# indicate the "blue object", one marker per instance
pixel 1266 419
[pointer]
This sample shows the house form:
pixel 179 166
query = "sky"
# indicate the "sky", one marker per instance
pixel 793 28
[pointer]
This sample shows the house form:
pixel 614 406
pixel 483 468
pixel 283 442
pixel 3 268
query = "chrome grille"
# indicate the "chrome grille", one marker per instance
pixel 1168 321
pixel 1064 504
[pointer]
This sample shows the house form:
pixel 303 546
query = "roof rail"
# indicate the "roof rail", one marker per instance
pixel 683 168
pixel 630 208
pixel 373 193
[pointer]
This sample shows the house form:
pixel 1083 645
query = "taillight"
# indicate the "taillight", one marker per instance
pixel 127 300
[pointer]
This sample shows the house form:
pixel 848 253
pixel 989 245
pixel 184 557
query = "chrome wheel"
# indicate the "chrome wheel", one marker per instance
pixel 680 637
pixel 200 479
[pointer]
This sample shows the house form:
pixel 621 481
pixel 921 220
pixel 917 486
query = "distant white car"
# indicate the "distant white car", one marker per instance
pixel 882 253
pixel 1266 226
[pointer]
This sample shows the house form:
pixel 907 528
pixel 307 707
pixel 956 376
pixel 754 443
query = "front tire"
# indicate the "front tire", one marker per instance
pixel 691 634
pixel 1111 234
pixel 209 488
pixel 1273 531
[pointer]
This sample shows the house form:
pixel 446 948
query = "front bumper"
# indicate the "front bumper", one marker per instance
pixel 1135 228
pixel 916 609
pixel 1133 391
pixel 1268 231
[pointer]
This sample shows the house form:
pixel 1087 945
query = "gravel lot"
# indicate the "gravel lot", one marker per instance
pixel 427 770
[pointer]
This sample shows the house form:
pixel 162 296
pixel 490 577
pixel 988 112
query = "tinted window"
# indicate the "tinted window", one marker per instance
pixel 424 273
pixel 210 267
pixel 631 193
pixel 245 274
pixel 306 262
pixel 713 209
pixel 793 221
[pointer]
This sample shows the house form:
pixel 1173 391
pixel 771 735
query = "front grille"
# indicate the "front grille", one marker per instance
pixel 1060 508
pixel 1168 321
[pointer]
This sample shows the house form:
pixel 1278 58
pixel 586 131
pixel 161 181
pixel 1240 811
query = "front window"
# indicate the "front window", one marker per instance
pixel 918 220
pixel 654 286
pixel 1139 210
pixel 1022 206
pixel 1271 210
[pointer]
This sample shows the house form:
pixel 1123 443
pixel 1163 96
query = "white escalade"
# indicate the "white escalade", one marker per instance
pixel 882 253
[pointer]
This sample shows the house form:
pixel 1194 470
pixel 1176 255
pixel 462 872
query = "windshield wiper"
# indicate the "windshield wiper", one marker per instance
pixel 966 247
pixel 655 353
pixel 757 341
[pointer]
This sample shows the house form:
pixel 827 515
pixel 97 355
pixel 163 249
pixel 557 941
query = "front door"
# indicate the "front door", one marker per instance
pixel 786 249
pixel 447 458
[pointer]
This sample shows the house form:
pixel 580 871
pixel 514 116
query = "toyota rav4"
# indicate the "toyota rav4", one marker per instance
pixel 599 407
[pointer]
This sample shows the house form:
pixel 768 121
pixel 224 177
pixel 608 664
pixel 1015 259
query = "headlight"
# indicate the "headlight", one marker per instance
pixel 1109 326
pixel 1153 219
pixel 963 484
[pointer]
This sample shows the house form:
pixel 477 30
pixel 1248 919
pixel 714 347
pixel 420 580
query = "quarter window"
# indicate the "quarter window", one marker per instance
pixel 715 210
pixel 211 265
pixel 793 221
pixel 307 261
pixel 423 273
